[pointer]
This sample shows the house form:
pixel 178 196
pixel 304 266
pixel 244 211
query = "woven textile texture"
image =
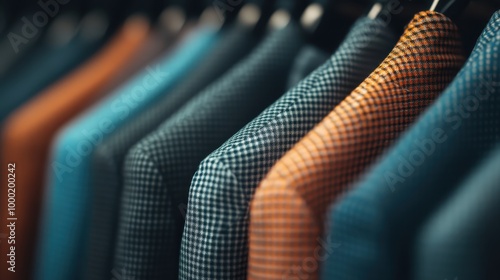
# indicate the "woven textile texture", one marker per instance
pixel 158 170
pixel 377 222
pixel 107 164
pixel 62 246
pixel 288 210
pixel 214 243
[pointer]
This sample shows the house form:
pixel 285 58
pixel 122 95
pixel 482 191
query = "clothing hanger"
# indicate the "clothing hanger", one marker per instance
pixel 395 14
pixel 326 23
pixel 315 16
pixel 295 7
pixel 450 8
pixel 228 9
pixel 176 13
pixel 256 13
pixel 287 11
pixel 173 16
pixel 206 13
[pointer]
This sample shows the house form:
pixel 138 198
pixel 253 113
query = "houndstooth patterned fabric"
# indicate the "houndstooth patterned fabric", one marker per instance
pixel 377 222
pixel 214 243
pixel 288 210
pixel 460 241
pixel 158 170
pixel 108 160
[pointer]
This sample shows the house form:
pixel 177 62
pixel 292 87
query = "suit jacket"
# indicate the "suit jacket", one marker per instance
pixel 289 206
pixel 214 243
pixel 158 170
pixel 28 133
pixel 288 210
pixel 63 241
pixel 377 222
pixel 460 240
pixel 109 156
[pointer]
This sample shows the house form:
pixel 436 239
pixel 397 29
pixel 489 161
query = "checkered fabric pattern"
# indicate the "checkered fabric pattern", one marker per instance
pixel 108 159
pixel 214 243
pixel 63 239
pixel 158 170
pixel 461 239
pixel 377 222
pixel 288 210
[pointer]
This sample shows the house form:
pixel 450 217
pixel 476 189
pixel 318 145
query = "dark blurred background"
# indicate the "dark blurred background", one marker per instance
pixel 24 22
